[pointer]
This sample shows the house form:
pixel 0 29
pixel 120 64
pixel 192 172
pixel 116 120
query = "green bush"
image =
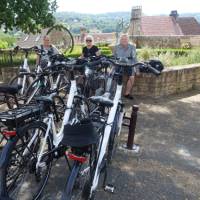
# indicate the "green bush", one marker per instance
pixel 186 45
pixel 74 55
pixel 103 44
pixel 176 52
pixel 144 54
pixel 8 38
pixel 106 52
pixel 104 48
pixel 170 57
pixel 3 44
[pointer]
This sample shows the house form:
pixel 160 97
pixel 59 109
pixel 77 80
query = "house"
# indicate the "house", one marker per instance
pixel 31 40
pixel 171 25
pixel 61 39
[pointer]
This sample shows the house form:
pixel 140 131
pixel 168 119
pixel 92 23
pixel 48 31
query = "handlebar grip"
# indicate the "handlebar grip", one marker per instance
pixel 153 70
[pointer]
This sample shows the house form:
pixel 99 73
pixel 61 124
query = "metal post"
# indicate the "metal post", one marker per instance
pixel 130 145
pixel 132 127
pixel 131 135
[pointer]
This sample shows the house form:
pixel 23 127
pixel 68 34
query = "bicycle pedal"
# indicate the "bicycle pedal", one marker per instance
pixel 109 188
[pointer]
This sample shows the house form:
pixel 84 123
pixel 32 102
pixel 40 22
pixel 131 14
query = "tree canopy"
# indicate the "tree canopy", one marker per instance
pixel 27 15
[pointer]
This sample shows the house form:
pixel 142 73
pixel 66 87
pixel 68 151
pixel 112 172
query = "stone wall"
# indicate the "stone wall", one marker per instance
pixel 6 73
pixel 165 41
pixel 173 80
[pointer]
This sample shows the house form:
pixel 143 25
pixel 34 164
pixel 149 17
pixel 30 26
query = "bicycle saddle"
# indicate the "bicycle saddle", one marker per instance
pixel 102 100
pixel 10 89
pixel 45 99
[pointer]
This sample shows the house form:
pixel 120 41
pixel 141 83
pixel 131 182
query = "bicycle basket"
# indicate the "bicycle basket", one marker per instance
pixel 18 116
pixel 79 134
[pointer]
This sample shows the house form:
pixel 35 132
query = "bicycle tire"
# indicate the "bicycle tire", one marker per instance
pixel 36 88
pixel 67 195
pixel 14 81
pixel 68 45
pixel 10 157
pixel 79 178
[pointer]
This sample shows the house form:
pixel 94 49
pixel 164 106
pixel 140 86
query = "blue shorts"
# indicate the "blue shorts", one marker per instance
pixel 126 71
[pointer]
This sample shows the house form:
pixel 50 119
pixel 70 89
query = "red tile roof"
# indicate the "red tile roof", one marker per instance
pixel 168 25
pixel 189 25
pixel 159 26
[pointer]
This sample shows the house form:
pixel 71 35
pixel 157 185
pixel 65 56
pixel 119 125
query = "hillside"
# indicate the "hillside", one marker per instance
pixel 105 22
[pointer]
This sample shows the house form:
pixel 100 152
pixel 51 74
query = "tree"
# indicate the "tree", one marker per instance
pixel 27 15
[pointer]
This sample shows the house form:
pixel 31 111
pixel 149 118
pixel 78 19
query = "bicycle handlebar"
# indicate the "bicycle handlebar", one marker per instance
pixel 153 70
pixel 17 48
pixel 138 64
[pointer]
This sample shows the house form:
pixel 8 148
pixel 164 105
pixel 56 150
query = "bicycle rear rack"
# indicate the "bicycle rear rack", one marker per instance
pixel 18 116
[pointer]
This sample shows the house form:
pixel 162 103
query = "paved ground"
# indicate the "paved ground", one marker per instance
pixel 168 165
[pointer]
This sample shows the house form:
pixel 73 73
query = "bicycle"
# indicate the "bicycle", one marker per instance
pixel 25 140
pixel 52 78
pixel 112 123
pixel 43 131
pixel 25 76
pixel 49 141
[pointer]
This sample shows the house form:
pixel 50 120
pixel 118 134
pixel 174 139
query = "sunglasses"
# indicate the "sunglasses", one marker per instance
pixel 88 40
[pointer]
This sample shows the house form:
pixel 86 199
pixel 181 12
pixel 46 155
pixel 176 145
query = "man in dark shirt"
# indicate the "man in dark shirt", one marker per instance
pixel 90 49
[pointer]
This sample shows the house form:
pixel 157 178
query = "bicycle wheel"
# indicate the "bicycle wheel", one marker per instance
pixel 60 80
pixel 24 80
pixel 62 38
pixel 38 87
pixel 20 178
pixel 79 178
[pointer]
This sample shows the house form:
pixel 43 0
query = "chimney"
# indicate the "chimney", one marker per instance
pixel 135 23
pixel 174 13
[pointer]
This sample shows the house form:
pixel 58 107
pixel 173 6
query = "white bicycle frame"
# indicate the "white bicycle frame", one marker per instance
pixel 23 81
pixel 106 136
pixel 57 137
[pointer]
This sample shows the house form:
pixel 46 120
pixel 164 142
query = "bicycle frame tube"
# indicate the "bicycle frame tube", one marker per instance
pixel 106 137
pixel 25 65
pixel 23 84
pixel 49 121
pixel 33 94
pixel 120 121
pixel 72 93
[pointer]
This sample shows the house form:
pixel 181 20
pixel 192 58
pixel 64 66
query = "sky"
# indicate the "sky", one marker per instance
pixel 149 7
